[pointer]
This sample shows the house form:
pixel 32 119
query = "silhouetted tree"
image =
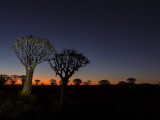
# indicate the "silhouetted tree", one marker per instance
pixel 85 83
pixel 77 81
pixel 3 79
pixel 131 80
pixel 65 64
pixel 37 81
pixel 22 78
pixel 13 79
pixel 53 82
pixel 42 84
pixel 103 82
pixel 32 50
pixel 88 82
pixel 121 83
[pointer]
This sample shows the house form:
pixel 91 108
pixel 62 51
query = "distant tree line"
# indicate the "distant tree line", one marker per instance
pixel 6 79
pixel 12 80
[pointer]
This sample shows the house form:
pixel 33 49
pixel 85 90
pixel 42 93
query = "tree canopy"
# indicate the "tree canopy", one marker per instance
pixel 32 50
pixel 67 62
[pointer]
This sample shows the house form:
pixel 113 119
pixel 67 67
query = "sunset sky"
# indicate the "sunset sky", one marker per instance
pixel 122 39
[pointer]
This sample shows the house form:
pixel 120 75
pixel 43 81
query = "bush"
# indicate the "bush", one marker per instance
pixel 6 107
pixel 15 106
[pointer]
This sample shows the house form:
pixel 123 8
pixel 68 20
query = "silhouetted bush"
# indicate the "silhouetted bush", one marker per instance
pixel 14 107
pixel 6 107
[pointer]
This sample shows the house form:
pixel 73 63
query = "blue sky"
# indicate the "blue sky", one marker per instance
pixel 120 38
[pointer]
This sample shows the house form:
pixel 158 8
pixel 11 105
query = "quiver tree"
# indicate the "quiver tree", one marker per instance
pixel 32 50
pixel 65 64
pixel 3 79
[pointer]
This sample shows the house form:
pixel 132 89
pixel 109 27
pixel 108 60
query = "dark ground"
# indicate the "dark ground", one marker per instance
pixel 136 102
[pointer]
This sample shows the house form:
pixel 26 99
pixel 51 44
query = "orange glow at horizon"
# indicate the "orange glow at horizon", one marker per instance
pixel 46 81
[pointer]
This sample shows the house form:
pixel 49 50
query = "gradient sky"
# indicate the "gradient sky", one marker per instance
pixel 122 39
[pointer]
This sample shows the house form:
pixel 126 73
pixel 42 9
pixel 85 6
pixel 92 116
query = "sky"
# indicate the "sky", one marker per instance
pixel 120 37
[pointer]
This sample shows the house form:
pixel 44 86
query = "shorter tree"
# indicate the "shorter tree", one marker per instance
pixel 3 79
pixel 13 79
pixel 42 84
pixel 77 81
pixel 104 82
pixel 53 82
pixel 131 80
pixel 37 81
pixel 88 82
pixel 121 83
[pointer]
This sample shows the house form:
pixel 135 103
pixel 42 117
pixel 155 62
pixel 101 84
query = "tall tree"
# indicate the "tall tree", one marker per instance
pixel 65 64
pixel 32 50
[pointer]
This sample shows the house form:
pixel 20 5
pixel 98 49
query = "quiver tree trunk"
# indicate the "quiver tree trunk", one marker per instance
pixel 27 87
pixel 63 98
